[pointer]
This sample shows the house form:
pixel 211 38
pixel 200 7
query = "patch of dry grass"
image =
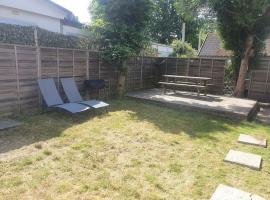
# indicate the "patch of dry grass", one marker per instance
pixel 136 151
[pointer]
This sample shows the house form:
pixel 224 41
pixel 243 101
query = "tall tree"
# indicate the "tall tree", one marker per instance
pixel 198 19
pixel 167 19
pixel 166 23
pixel 121 28
pixel 243 25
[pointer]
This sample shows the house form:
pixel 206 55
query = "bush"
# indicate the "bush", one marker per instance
pixel 149 51
pixel 24 35
pixel 183 49
pixel 13 34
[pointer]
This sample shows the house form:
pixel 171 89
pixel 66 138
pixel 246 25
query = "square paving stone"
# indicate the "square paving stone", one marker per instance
pixel 8 123
pixel 245 159
pixel 224 192
pixel 247 139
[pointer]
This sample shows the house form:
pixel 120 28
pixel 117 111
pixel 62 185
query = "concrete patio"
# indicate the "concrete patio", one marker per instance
pixel 224 106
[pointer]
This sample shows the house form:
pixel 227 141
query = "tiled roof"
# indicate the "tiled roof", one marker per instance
pixel 212 47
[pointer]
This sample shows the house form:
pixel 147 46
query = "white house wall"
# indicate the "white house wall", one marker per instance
pixel 24 18
pixel 163 50
pixel 41 7
pixel 69 30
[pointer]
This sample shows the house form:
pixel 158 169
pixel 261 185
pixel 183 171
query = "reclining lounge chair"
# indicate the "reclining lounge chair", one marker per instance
pixel 74 96
pixel 53 99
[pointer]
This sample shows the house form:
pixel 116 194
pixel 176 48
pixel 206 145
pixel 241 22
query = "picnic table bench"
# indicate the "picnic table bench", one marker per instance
pixel 174 81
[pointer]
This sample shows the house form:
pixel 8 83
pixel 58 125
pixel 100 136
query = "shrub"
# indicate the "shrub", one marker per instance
pixel 183 49
pixel 24 35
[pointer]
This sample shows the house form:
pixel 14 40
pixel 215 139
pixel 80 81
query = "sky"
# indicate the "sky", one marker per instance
pixel 78 7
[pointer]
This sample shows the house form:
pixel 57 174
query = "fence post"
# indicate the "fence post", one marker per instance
pixel 200 63
pixel 188 63
pixel 166 72
pixel 250 82
pixel 212 68
pixel 99 76
pixel 38 63
pixel 99 63
pixel 142 63
pixel 17 79
pixel 39 73
pixel 267 77
pixel 58 68
pixel 87 65
pixel 73 64
pixel 176 67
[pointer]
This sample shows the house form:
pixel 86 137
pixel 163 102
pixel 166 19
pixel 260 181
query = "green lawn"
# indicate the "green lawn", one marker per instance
pixel 136 151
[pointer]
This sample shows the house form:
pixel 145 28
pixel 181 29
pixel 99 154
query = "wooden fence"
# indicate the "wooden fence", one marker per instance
pixel 258 84
pixel 212 68
pixel 21 66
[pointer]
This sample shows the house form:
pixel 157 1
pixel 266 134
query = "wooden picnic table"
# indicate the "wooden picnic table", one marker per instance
pixel 188 77
pixel 175 81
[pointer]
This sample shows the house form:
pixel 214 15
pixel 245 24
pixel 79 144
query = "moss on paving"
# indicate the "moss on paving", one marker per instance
pixel 136 151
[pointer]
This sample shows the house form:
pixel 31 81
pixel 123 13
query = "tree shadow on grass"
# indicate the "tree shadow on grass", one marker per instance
pixel 177 121
pixel 38 128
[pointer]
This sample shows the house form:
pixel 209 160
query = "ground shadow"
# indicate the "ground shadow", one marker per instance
pixel 39 128
pixel 194 124
pixel 42 127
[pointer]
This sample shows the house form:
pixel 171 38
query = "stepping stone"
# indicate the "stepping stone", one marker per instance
pixel 8 123
pixel 247 139
pixel 245 159
pixel 224 192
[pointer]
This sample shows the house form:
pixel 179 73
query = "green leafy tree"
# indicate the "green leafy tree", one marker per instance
pixel 165 22
pixel 120 26
pixel 183 49
pixel 243 26
pixel 198 18
pixel 167 19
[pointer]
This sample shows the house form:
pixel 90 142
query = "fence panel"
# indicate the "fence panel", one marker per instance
pixel 27 77
pixel 9 100
pixel 21 66
pixel 258 85
pixel 212 68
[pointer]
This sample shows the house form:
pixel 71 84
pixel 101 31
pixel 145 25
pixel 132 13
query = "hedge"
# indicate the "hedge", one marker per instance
pixel 16 34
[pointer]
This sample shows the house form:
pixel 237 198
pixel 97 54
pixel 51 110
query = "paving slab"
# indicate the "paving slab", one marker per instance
pixel 245 159
pixel 8 123
pixel 224 192
pixel 248 139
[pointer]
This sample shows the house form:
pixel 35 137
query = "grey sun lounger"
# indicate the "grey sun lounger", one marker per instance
pixel 74 96
pixel 53 99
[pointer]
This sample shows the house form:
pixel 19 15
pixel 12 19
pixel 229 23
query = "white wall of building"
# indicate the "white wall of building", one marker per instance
pixel 39 13
pixel 24 18
pixel 41 7
pixel 163 50
pixel 69 30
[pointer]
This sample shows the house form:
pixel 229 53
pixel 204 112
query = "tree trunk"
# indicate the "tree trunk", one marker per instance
pixel 121 85
pixel 240 86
